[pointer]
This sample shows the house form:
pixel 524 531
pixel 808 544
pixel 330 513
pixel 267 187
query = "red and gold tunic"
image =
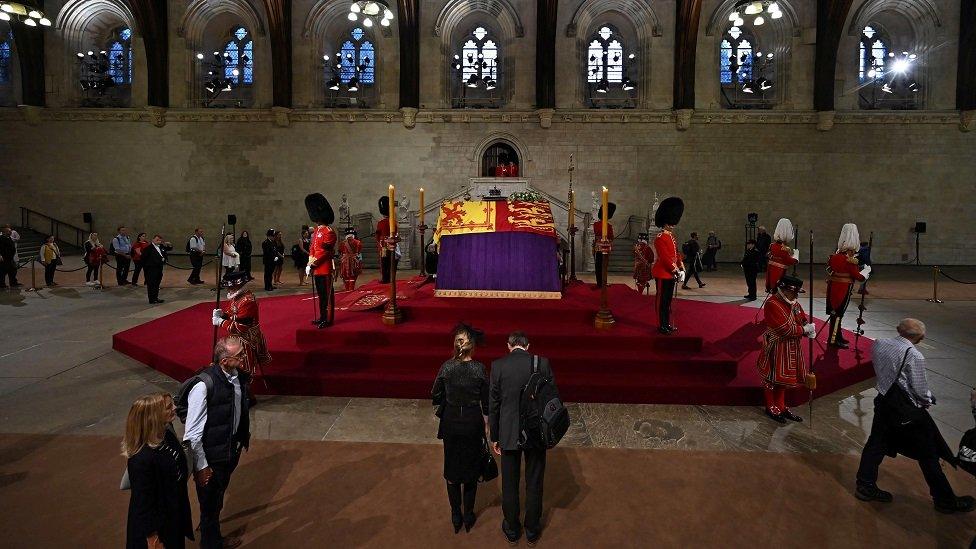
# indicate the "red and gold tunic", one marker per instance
pixel 842 270
pixel 241 319
pixel 643 258
pixel 780 258
pixel 322 250
pixel 598 234
pixel 781 360
pixel 666 260
pixel 382 233
pixel 350 266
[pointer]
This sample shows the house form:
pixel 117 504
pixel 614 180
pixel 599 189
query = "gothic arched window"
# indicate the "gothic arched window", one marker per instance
pixel 605 57
pixel 356 59
pixel 872 54
pixel 478 60
pixel 239 56
pixel 6 55
pixel 736 56
pixel 119 48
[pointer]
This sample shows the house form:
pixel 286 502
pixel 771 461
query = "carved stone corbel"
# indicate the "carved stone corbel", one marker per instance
pixel 967 120
pixel 545 117
pixel 409 117
pixel 282 116
pixel 682 118
pixel 32 114
pixel 157 116
pixel 825 120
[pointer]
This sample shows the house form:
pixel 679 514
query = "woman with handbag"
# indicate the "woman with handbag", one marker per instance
pixel 157 470
pixel 142 241
pixel 460 393
pixel 50 257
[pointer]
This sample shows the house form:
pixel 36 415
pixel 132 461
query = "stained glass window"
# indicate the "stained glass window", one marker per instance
pixel 736 57
pixel 239 57
pixel 356 58
pixel 5 57
pixel 725 62
pixel 119 49
pixel 872 56
pixel 605 57
pixel 479 58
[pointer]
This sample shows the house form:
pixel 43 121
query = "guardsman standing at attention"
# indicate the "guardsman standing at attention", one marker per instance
pixel 601 277
pixel 843 269
pixel 780 255
pixel 781 364
pixel 668 269
pixel 382 233
pixel 321 256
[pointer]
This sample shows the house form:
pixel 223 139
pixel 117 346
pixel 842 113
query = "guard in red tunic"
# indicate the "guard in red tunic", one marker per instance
pixel 781 364
pixel 238 316
pixel 382 233
pixel 643 259
pixel 668 268
pixel 601 277
pixel 321 256
pixel 781 256
pixel 350 259
pixel 843 269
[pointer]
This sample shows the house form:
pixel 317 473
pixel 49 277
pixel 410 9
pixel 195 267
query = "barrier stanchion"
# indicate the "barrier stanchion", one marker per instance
pixel 33 287
pixel 100 285
pixel 935 285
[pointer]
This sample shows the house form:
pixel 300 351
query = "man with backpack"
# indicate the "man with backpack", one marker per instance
pixel 519 427
pixel 213 406
pixel 196 247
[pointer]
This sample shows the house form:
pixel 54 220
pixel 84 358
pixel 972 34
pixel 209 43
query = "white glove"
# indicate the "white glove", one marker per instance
pixel 809 330
pixel 866 271
pixel 681 276
pixel 308 270
pixel 277 259
pixel 796 255
pixel 218 317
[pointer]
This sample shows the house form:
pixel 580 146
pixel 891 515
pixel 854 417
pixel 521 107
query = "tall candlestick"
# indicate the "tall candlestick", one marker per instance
pixel 572 209
pixel 606 195
pixel 421 205
pixel 393 230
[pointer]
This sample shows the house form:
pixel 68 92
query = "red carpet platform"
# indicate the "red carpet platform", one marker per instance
pixel 711 360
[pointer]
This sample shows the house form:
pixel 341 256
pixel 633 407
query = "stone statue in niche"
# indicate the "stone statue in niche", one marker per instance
pixel 345 216
pixel 403 208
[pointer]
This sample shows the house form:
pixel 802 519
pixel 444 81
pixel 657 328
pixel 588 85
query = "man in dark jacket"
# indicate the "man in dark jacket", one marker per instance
pixel 763 242
pixel 270 258
pixel 750 268
pixel 508 376
pixel 153 260
pixel 217 430
pixel 8 266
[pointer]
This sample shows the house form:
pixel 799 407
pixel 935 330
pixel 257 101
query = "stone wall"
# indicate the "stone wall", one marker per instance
pixel 884 176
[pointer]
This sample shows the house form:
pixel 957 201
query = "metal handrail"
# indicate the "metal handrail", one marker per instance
pixel 54 227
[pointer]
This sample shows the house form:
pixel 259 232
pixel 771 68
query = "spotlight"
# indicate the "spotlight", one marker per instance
pixel 91 52
pixel 872 73
pixel 80 55
pixel 628 84
pixel 4 16
pixel 457 66
pixel 733 16
pixel 354 84
pixel 7 7
pixel 739 22
pixel 472 81
pixel 333 84
pixel 758 21
pixel 352 16
pixel 764 84
pixel 776 15
pixel 900 66
pixel 603 86
pixel 387 14
pixel 35 14
pixel 631 56
pixel 747 87
pixel 325 57
pixel 235 72
pixel 456 56
pixel 355 8
pixel 367 23
pixel 490 85
pixel 199 56
pixel 886 88
pixel 385 22
pixel 754 8
pixel 912 56
pixel 30 23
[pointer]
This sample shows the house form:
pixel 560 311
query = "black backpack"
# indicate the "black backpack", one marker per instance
pixel 686 249
pixel 543 418
pixel 188 249
pixel 181 397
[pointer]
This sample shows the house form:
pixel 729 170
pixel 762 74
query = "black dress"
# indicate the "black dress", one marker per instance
pixel 159 501
pixel 461 391
pixel 244 248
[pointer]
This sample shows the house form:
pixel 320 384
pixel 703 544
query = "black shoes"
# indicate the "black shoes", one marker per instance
pixel 157 301
pixel 456 519
pixel 749 297
pixel 702 285
pixel 787 414
pixel 872 493
pixel 532 539
pixel 322 324
pixel 511 537
pixel 778 418
pixel 958 504
pixel 469 519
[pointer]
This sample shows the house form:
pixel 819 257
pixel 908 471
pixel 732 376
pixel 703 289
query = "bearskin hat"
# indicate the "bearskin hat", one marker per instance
pixel 319 209
pixel 669 212
pixel 384 205
pixel 611 209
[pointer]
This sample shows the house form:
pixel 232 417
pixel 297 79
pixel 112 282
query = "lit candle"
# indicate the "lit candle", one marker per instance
pixel 606 196
pixel 393 230
pixel 421 205
pixel 572 209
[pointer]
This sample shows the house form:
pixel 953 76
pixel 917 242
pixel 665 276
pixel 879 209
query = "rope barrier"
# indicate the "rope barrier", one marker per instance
pixel 943 273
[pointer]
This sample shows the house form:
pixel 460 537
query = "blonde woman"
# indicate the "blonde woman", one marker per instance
pixel 92 259
pixel 50 256
pixel 159 507
pixel 231 259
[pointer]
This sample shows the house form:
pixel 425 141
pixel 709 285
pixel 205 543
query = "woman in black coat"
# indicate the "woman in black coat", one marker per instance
pixel 159 507
pixel 244 248
pixel 461 394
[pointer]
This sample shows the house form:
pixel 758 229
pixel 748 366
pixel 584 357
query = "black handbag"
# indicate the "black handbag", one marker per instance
pixel 489 469
pixel 896 401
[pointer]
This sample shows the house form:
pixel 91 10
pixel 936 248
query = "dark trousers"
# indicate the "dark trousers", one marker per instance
pixel 601 276
pixel 693 272
pixel 323 286
pixel 122 269
pixel 535 472
pixel 269 276
pixel 49 270
pixel 196 261
pixel 665 293
pixel 8 269
pixel 91 271
pixel 874 453
pixel 246 265
pixel 708 259
pixel 751 281
pixel 154 277
pixel 211 498
pixel 136 269
pixel 386 266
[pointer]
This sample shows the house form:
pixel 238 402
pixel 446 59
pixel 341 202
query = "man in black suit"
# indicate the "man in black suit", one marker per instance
pixel 270 257
pixel 153 260
pixel 508 376
pixel 8 251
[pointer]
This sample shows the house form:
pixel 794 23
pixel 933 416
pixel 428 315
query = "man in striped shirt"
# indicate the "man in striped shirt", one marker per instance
pixel 900 366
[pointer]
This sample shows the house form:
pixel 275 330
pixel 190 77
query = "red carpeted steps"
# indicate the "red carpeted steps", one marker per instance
pixel 710 361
